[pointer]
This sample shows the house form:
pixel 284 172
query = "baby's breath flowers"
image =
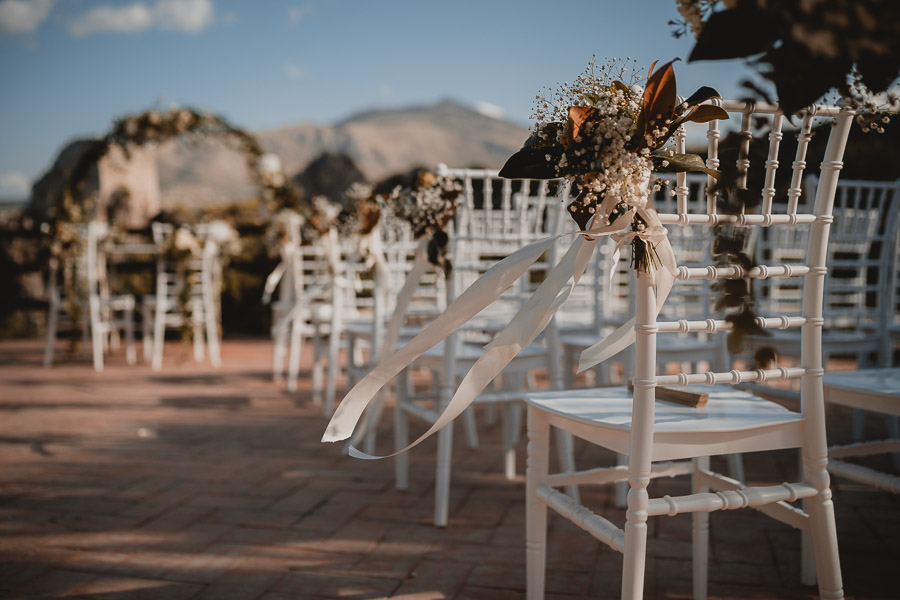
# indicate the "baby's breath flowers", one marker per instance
pixel 427 207
pixel 606 133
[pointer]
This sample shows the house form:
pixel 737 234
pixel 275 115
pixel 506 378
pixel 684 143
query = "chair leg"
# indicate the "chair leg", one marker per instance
pixel 535 509
pixel 859 425
pixel 442 476
pixel 50 341
pixel 159 333
pixel 280 334
pixel 471 425
pixel 621 486
pixel 568 368
pixel 566 455
pixel 97 338
pixel 700 533
pixel 824 543
pixel 636 519
pixel 444 456
pixel 736 466
pixel 197 330
pixel 334 346
pixel 401 434
pixel 130 353
pixel 318 372
pixel 509 444
pixel 295 354
pixel 821 507
pixel 147 332
pixel 212 335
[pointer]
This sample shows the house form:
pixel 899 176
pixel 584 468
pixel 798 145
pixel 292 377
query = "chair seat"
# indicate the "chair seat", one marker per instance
pixel 868 389
pixel 679 431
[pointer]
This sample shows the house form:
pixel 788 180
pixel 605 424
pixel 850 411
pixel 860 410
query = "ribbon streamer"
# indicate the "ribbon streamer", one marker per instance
pixel 531 319
pixel 663 280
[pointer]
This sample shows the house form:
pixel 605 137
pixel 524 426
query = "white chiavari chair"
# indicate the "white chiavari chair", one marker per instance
pixel 187 294
pixel 104 315
pixel 658 435
pixel 494 218
pixel 287 280
pixel 857 290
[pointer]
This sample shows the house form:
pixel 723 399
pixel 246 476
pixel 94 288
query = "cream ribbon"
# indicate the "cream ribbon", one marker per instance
pixel 524 327
pixel 663 280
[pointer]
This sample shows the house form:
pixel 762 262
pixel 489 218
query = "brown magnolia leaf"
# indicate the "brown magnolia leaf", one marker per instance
pixel 578 116
pixel 705 113
pixel 369 213
pixel 659 100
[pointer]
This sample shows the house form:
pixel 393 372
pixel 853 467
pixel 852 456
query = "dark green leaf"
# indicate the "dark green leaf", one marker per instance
pixel 681 163
pixel 702 95
pixel 531 163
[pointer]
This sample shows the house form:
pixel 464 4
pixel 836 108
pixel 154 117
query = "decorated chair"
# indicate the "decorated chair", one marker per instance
pixel 404 281
pixel 188 291
pixel 104 316
pixel 653 427
pixel 488 226
pixel 858 289
pixel 287 281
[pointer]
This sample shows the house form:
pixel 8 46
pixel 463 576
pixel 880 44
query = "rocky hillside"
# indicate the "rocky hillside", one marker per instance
pixel 381 142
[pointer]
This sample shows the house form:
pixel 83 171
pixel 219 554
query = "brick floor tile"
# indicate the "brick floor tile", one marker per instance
pixel 230 495
pixel 471 592
pixel 125 588
pixel 325 586
pixel 55 583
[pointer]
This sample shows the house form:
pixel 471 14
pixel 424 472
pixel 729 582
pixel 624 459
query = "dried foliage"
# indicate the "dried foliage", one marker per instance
pixel 606 136
pixel 806 48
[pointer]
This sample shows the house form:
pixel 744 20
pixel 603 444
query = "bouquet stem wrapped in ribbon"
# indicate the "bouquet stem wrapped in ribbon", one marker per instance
pixel 612 137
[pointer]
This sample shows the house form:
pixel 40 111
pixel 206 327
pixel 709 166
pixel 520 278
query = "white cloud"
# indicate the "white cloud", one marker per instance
pixel 294 71
pixel 189 16
pixel 120 19
pixel 23 16
pixel 490 110
pixel 298 13
pixel 295 13
pixel 14 184
pixel 385 90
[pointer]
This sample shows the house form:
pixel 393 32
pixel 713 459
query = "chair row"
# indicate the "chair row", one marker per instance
pixel 846 230
pixel 187 292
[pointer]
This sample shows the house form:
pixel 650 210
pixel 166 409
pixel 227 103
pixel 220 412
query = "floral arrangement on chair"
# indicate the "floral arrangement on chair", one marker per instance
pixel 428 207
pixel 606 136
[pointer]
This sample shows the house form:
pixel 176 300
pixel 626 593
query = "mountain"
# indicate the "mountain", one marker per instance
pixel 381 142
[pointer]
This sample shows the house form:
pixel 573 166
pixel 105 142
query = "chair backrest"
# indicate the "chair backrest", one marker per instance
pixel 496 217
pixel 860 254
pixel 770 214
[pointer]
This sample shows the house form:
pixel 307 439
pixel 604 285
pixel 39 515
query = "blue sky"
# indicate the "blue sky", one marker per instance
pixel 70 67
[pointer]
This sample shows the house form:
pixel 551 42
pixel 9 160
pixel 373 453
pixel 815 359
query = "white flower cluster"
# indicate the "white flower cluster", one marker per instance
pixel 359 191
pixel 601 157
pixel 427 207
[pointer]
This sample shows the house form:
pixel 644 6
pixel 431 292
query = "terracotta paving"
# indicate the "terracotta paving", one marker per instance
pixel 201 484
